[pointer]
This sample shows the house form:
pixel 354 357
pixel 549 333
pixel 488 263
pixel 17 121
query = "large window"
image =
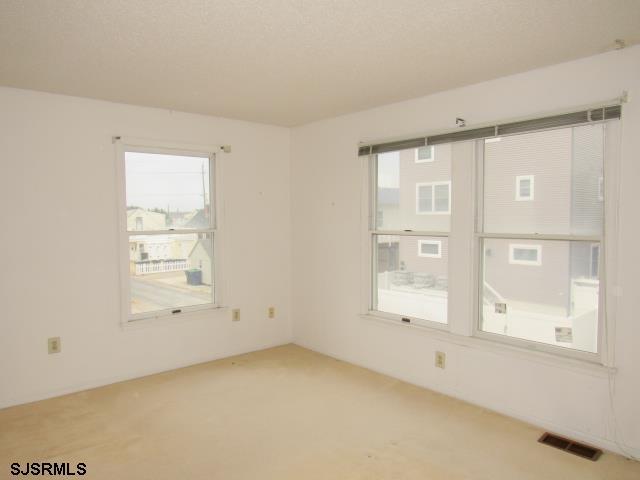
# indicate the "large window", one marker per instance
pixel 168 232
pixel 525 295
pixel 410 249
pixel 497 232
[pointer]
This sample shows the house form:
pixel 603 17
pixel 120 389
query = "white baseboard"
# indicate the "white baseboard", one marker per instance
pixel 101 382
pixel 604 443
pixel 596 441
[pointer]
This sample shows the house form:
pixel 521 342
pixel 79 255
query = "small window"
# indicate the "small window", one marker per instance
pixel 430 248
pixel 425 154
pixel 525 254
pixel 168 228
pixel 433 198
pixel 524 187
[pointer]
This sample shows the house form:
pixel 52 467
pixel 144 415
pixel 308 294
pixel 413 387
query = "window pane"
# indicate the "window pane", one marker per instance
pixel 429 248
pixel 167 191
pixel 408 283
pixel 425 198
pixel 566 164
pixel 548 295
pixel 424 153
pixel 170 271
pixel 407 191
pixel 526 254
pixel 442 198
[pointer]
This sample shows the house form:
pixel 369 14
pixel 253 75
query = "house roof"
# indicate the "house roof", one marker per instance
pixel 206 244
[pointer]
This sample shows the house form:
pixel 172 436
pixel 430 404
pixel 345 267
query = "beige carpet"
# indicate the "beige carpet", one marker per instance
pixel 284 413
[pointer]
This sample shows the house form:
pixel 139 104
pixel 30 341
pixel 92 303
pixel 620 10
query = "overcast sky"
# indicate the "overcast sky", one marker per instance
pixel 166 181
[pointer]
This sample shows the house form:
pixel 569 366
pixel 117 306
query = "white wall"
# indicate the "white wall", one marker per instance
pixel 59 257
pixel 59 252
pixel 327 248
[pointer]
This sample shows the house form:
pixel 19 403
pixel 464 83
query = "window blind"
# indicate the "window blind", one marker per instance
pixel 610 112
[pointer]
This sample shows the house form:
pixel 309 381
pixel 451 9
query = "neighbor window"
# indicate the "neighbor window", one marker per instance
pixel 410 269
pixel 524 187
pixel 424 154
pixel 433 197
pixel 168 231
pixel 525 254
pixel 429 248
pixel 554 301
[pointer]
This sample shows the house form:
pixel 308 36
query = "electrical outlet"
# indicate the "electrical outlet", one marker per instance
pixel 440 359
pixel 272 312
pixel 235 314
pixel 54 345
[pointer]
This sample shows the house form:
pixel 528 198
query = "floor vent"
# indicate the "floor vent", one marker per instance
pixel 579 449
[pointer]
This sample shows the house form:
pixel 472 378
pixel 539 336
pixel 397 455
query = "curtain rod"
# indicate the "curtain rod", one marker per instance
pixel 603 112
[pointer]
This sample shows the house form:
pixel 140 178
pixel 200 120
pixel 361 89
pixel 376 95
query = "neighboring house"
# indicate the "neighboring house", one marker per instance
pixel 167 252
pixel 388 216
pixel 176 218
pixel 200 257
pixel 422 202
pixel 141 248
pixel 388 207
pixel 198 219
pixel 425 197
pixel 548 183
pixel 542 182
pixel 139 219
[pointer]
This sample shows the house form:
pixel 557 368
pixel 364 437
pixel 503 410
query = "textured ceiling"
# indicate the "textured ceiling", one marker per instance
pixel 289 62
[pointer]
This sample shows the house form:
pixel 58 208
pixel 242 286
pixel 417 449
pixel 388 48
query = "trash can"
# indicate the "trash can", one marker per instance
pixel 194 276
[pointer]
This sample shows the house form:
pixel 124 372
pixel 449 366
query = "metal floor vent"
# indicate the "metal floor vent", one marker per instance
pixel 577 448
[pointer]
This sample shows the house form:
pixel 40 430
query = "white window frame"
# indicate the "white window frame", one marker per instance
pixel 464 329
pixel 519 196
pixel 372 233
pixel 481 236
pixel 523 246
pixel 430 242
pixel 124 145
pixel 433 186
pixel 425 160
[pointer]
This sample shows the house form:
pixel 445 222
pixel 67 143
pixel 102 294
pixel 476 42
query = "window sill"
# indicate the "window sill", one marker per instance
pixel 169 318
pixel 557 361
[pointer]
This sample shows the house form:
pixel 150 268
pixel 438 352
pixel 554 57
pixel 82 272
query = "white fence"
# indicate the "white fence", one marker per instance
pixel 160 266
